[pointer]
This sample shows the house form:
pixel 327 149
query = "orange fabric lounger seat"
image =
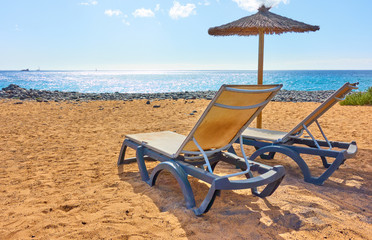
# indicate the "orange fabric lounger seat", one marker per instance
pixel 268 142
pixel 232 109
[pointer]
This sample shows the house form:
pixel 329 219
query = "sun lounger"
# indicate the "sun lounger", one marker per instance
pixel 232 109
pixel 268 142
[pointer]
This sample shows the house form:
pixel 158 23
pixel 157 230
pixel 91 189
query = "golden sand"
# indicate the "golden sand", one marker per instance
pixel 59 178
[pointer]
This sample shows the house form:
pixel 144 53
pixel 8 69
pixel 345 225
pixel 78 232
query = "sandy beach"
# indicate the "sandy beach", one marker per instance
pixel 59 178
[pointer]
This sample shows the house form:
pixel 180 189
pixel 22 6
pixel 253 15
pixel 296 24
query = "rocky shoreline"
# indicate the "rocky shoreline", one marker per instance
pixel 15 92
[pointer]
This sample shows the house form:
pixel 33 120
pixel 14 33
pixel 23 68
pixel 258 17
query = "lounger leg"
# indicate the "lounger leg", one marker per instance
pixel 325 162
pixel 213 165
pixel 333 167
pixel 181 178
pixel 208 201
pixel 268 190
pixel 121 159
pixel 267 156
pixel 302 164
pixel 122 154
pixel 290 153
pixel 231 150
pixel 142 165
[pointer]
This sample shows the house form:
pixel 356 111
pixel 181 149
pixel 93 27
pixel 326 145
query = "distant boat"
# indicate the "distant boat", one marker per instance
pixel 38 69
pixel 25 70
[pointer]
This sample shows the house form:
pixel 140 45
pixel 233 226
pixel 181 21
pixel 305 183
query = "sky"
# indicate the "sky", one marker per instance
pixel 173 35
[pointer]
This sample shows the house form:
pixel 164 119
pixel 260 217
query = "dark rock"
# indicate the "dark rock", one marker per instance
pixel 16 92
pixel 156 106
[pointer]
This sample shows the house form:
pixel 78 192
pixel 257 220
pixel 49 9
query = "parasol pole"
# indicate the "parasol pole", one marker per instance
pixel 260 69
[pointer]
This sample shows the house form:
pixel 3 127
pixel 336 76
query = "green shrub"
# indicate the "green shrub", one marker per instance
pixel 359 98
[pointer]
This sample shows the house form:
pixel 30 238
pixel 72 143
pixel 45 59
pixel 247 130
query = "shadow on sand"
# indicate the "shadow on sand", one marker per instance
pixel 234 213
pixel 239 213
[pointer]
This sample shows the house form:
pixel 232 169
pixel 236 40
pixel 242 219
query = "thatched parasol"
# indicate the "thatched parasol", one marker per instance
pixel 261 23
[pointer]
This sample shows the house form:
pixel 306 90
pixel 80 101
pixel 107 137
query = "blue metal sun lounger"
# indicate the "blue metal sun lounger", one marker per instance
pixel 268 142
pixel 232 109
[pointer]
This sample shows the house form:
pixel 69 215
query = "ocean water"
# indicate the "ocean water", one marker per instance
pixel 178 81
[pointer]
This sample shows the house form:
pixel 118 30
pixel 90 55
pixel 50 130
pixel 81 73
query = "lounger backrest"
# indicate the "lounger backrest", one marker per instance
pixel 327 104
pixel 232 109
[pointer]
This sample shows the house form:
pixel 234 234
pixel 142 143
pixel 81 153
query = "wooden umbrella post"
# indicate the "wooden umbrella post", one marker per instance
pixel 260 69
pixel 260 57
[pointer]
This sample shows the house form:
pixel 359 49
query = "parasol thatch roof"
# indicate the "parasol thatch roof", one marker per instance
pixel 263 20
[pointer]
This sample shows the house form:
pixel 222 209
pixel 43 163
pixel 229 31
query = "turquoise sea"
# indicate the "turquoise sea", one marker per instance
pixel 178 81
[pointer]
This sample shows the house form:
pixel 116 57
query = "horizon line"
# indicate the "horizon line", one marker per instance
pixel 98 70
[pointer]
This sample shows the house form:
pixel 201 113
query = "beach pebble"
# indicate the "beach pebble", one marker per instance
pixel 14 91
pixel 156 106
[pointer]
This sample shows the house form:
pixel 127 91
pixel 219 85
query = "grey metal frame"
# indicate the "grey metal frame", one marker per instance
pixel 293 146
pixel 181 166
pixel 267 150
pixel 180 169
pixel 348 85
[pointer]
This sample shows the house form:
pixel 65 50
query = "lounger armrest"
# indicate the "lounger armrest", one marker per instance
pixel 272 175
pixel 351 150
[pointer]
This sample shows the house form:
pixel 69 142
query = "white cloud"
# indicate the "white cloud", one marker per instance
pixel 157 7
pixel 182 11
pixel 89 3
pixel 17 28
pixel 110 12
pixel 142 12
pixel 205 3
pixel 253 5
